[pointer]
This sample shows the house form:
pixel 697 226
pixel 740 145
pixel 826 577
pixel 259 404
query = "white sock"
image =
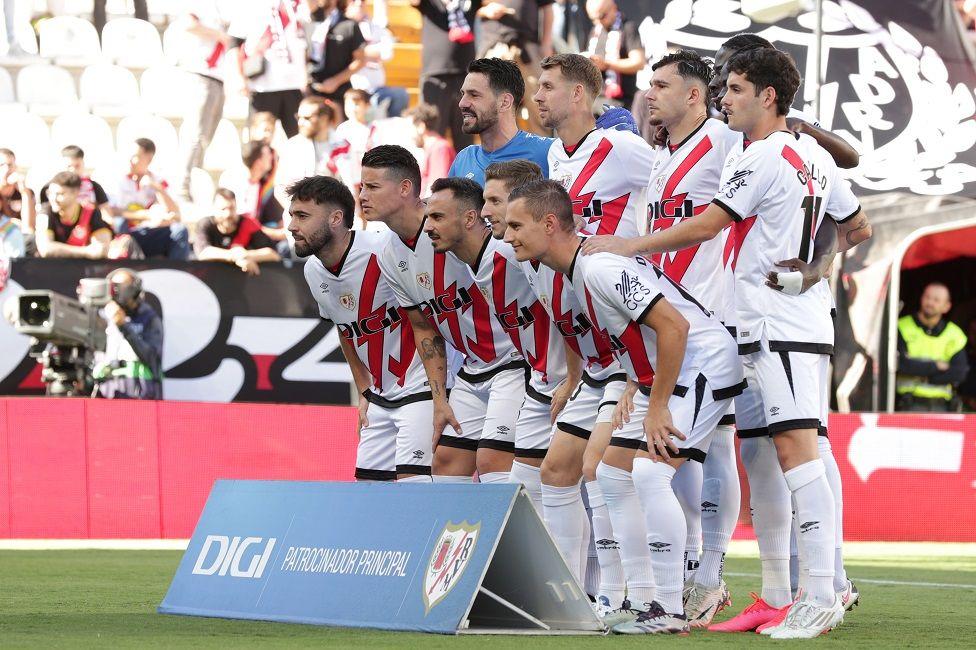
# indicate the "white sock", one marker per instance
pixel 443 478
pixel 529 477
pixel 415 479
pixel 837 489
pixel 493 477
pixel 566 520
pixel 687 486
pixel 815 535
pixel 624 509
pixel 607 550
pixel 721 496
pixel 771 516
pixel 666 530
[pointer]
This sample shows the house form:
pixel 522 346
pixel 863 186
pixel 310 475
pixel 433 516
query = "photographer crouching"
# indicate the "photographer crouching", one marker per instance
pixel 131 365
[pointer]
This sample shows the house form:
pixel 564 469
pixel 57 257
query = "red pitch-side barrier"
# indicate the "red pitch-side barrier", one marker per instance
pixel 76 468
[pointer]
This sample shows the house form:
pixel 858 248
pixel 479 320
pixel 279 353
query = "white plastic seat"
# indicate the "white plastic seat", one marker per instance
pixel 158 129
pixel 201 187
pixel 163 90
pixel 69 40
pixel 131 42
pixel 90 132
pixel 26 134
pixel 224 151
pixel 109 89
pixel 46 89
pixel 7 95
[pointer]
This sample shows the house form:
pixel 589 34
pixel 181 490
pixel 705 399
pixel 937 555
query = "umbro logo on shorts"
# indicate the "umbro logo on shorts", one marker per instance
pixel 418 454
pixel 773 410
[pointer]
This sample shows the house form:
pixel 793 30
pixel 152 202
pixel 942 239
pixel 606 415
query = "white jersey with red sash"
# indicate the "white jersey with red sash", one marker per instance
pixel 684 179
pixel 443 287
pixel 605 174
pixel 518 310
pixel 355 296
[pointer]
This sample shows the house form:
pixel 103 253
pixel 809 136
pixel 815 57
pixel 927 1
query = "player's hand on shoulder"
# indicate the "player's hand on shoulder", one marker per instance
pixel 608 244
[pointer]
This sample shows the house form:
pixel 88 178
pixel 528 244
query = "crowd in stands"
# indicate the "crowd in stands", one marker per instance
pixel 312 75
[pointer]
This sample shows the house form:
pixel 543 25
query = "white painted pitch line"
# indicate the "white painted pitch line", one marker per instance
pixel 901 583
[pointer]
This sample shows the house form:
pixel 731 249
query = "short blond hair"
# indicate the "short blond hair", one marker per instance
pixel 577 69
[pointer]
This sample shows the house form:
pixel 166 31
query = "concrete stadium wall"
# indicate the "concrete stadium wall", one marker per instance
pixel 79 468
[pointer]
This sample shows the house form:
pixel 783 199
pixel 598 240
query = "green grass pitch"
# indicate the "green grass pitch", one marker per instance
pixel 108 598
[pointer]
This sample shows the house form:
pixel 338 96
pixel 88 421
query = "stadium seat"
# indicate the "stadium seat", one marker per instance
pixel 46 89
pixel 201 187
pixel 162 90
pixel 109 90
pixel 131 42
pixel 26 134
pixel 224 151
pixel 90 132
pixel 158 129
pixel 173 39
pixel 69 40
pixel 7 95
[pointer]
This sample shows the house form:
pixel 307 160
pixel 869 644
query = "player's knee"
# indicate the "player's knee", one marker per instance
pixel 796 447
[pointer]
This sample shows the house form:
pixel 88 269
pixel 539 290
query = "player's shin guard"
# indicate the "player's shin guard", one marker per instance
pixel 837 489
pixel 624 509
pixel 666 530
pixel 815 533
pixel 721 496
pixel 687 486
pixel 771 517
pixel 566 519
pixel 529 477
pixel 607 550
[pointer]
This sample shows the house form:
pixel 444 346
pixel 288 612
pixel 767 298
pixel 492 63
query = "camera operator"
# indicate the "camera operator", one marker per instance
pixel 131 366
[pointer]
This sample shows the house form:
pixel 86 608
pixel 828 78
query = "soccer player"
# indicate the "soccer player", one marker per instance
pixel 781 180
pixel 683 361
pixel 444 304
pixel 554 369
pixel 490 99
pixel 583 426
pixel 605 171
pixel 343 274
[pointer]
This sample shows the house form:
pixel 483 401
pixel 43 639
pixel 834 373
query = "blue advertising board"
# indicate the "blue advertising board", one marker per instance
pixel 381 555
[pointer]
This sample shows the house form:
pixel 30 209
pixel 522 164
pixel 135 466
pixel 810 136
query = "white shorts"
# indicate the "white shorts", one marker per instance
pixel 695 411
pixel 791 392
pixel 533 431
pixel 591 403
pixel 487 410
pixel 396 440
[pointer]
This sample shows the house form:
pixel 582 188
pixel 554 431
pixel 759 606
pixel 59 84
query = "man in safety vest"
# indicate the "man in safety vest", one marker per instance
pixel 132 365
pixel 931 355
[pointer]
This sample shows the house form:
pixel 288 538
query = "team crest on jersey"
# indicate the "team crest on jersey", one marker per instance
pixel 451 555
pixel 659 183
pixel 348 301
pixel 423 279
pixel 566 180
pixel 484 292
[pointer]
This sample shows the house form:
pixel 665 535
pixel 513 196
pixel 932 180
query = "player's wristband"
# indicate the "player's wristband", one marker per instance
pixel 791 281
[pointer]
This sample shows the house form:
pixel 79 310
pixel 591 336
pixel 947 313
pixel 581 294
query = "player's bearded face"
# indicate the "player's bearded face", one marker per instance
pixel 553 98
pixel 665 97
pixel 309 241
pixel 478 104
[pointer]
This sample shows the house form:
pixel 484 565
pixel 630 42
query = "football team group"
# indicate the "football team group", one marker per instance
pixel 596 318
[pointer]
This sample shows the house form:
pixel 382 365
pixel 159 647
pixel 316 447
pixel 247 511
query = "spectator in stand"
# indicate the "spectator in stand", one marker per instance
pixel 270 35
pixel 68 228
pixel 448 48
pixel 389 101
pixel 16 199
pixel 931 355
pixel 91 192
pixel 356 130
pixel 519 31
pixel 230 237
pixel 254 185
pixel 438 152
pixel 261 127
pixel 615 48
pixel 337 52
pixel 144 209
pixel 316 150
pixel 201 57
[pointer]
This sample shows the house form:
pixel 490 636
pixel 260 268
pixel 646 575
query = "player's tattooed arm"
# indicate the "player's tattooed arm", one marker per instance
pixel 432 348
pixel 854 231
pixel 433 354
